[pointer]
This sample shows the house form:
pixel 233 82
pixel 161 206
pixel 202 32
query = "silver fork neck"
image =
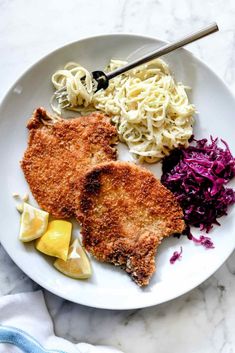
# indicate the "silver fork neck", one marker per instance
pixel 165 50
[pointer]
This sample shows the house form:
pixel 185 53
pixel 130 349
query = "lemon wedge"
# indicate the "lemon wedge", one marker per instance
pixel 77 265
pixel 55 242
pixel 33 223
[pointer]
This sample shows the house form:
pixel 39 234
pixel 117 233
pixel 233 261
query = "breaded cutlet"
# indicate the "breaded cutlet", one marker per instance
pixel 58 155
pixel 125 213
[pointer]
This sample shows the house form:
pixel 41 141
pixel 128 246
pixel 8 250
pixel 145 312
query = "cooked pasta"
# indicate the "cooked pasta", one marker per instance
pixel 151 111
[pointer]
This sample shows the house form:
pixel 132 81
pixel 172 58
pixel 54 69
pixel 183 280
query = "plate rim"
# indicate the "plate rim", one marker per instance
pixel 57 291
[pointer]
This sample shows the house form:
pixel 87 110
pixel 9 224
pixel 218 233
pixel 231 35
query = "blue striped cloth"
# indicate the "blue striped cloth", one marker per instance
pixel 22 340
pixel 26 326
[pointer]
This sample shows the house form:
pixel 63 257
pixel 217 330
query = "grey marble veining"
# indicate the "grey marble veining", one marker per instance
pixel 202 320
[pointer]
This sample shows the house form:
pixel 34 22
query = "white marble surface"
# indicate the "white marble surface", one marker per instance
pixel 204 319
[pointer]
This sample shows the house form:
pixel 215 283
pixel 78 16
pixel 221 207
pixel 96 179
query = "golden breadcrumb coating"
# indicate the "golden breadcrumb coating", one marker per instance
pixel 125 213
pixel 58 155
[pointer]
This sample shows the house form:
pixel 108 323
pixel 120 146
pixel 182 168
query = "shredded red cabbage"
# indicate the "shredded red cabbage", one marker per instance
pixel 176 256
pixel 204 241
pixel 197 176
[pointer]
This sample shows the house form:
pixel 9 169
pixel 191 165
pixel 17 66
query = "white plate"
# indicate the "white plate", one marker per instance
pixel 111 287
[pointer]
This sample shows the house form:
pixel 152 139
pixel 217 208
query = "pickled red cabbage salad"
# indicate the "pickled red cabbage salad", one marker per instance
pixel 198 176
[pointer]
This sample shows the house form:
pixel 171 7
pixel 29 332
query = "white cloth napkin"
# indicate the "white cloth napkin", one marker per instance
pixel 24 318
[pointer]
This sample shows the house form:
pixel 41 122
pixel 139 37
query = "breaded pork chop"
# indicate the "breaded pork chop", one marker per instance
pixel 125 214
pixel 59 154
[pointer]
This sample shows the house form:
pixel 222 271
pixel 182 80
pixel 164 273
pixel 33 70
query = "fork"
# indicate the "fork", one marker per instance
pixel 100 79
